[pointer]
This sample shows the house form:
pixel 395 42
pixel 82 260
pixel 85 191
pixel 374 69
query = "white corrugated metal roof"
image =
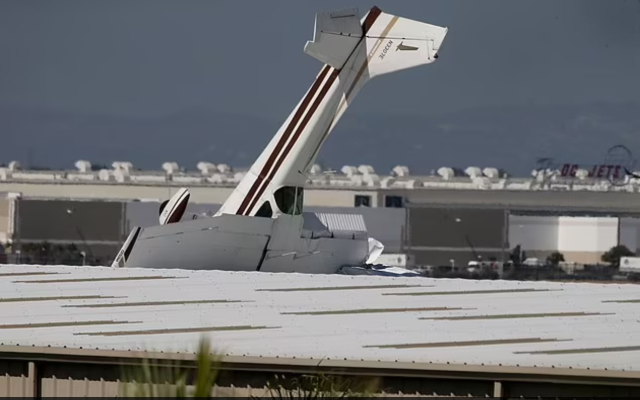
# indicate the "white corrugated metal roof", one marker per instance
pixel 343 222
pixel 355 317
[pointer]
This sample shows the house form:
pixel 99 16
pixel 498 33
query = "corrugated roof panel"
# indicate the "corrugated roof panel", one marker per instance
pixel 343 222
pixel 575 325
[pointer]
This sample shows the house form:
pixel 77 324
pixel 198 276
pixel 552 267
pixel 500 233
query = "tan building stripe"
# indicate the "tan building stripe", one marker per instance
pixel 153 303
pixel 54 298
pixel 31 273
pixel 127 278
pixel 516 316
pixel 464 343
pixel 622 301
pixel 179 330
pixel 467 292
pixel 359 287
pixel 376 311
pixel 63 324
pixel 583 351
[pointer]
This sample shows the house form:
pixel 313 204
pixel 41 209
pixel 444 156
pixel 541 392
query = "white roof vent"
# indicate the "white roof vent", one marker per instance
pixel 491 172
pixel 14 166
pixel 473 172
pixel 83 166
pixel 412 184
pixel 371 179
pixel 217 178
pixel 366 170
pixel 446 172
pixel 171 167
pixel 357 180
pixel 224 168
pixel 105 175
pixel 123 165
pixel 582 174
pixel 400 170
pixel 315 169
pixel 206 168
pixel 349 170
pixel 387 182
pixel 121 175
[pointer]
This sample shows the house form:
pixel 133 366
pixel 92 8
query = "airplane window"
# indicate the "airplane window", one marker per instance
pixel 265 210
pixel 290 199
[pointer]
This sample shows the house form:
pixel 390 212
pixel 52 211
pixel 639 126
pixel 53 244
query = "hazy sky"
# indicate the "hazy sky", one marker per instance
pixel 156 57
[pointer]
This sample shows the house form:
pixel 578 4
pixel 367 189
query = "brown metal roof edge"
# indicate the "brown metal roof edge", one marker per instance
pixel 365 368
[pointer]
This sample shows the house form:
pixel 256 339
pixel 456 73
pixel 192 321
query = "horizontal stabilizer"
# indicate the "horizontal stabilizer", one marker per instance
pixel 395 43
pixel 337 33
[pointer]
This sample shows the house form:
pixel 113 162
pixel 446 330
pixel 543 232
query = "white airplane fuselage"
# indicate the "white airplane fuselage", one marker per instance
pixel 262 226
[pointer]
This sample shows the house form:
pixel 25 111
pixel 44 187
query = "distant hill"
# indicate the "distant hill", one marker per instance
pixel 508 137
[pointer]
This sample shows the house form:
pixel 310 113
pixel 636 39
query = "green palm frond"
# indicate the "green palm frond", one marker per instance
pixel 154 378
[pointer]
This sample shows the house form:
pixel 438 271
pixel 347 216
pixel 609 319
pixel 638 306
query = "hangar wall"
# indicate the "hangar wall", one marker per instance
pixel 438 235
pixel 435 235
pixel 579 239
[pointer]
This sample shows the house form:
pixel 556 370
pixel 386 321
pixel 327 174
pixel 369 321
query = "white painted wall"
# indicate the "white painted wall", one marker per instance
pixel 572 234
pixel 587 234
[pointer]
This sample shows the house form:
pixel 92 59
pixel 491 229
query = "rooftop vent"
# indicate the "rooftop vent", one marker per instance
pixel 315 169
pixel 122 165
pixel 387 182
pixel 446 172
pixel 105 175
pixel 366 170
pixel 491 172
pixel 371 180
pixel 349 170
pixel 14 166
pixel 224 168
pixel 400 170
pixel 171 167
pixel 582 174
pixel 83 166
pixel 122 175
pixel 206 168
pixel 473 172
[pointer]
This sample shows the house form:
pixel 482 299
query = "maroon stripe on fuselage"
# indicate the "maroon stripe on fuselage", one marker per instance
pixel 283 139
pixel 296 136
pixel 261 183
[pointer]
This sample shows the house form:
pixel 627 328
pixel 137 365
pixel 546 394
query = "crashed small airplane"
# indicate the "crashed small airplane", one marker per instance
pixel 262 226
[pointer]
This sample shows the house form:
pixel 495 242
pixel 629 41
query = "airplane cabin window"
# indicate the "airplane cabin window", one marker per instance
pixel 265 210
pixel 290 199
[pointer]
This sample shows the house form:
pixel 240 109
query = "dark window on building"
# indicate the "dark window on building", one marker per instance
pixel 265 211
pixel 393 201
pixel 362 201
pixel 290 199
